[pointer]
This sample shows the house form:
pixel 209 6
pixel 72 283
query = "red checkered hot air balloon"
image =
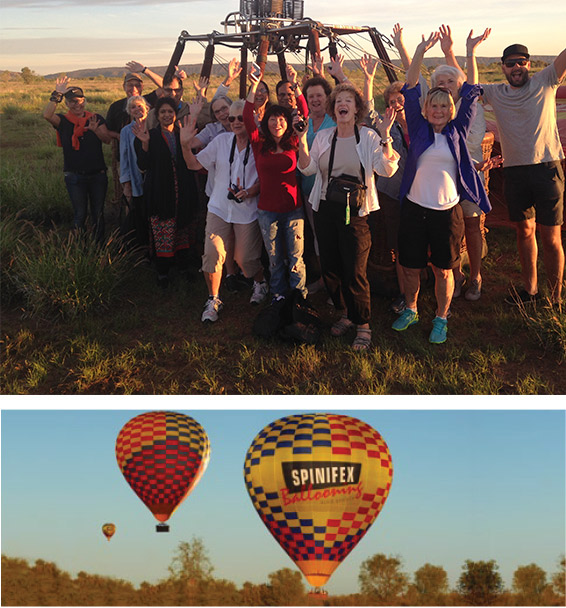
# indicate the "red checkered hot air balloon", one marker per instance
pixel 162 455
pixel 318 481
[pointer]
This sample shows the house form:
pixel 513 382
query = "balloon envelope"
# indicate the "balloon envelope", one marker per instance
pixel 162 455
pixel 108 530
pixel 318 481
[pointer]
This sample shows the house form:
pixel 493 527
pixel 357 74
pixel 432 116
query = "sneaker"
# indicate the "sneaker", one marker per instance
pixel 522 297
pixel 211 309
pixel 439 331
pixel 473 292
pixel 408 317
pixel 231 283
pixel 398 305
pixel 458 284
pixel 259 292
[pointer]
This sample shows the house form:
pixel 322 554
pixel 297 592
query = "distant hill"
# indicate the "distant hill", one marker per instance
pixel 217 70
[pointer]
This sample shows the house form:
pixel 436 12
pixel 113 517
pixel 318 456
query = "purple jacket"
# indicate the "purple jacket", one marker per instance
pixel 421 136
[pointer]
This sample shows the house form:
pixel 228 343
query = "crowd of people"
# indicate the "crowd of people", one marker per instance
pixel 256 169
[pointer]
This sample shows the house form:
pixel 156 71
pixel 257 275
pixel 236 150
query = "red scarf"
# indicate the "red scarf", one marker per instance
pixel 78 131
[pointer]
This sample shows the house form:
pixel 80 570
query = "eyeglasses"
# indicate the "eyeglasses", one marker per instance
pixel 510 63
pixel 172 90
pixel 233 118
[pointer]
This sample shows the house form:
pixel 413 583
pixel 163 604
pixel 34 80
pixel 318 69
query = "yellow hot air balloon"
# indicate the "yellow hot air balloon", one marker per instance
pixel 318 481
pixel 108 530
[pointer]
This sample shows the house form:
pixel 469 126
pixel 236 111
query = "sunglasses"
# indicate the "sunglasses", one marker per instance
pixel 233 118
pixel 510 63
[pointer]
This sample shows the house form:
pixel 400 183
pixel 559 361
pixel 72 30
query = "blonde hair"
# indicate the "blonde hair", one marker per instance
pixel 438 94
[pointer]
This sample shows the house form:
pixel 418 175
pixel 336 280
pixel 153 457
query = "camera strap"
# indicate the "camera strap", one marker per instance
pixel 333 148
pixel 231 159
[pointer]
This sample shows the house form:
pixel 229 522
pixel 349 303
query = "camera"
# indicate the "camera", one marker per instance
pixel 255 72
pixel 301 125
pixel 234 189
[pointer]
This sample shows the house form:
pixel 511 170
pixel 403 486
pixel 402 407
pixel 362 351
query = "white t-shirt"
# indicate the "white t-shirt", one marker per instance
pixel 434 186
pixel 217 156
pixel 526 119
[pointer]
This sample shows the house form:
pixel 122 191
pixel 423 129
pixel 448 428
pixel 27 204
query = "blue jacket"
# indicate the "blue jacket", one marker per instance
pixel 421 136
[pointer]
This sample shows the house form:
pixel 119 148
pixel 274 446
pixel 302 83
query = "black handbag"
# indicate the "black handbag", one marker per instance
pixel 345 189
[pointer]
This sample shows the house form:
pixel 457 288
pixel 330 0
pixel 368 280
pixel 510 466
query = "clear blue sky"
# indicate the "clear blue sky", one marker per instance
pixel 477 485
pixel 51 36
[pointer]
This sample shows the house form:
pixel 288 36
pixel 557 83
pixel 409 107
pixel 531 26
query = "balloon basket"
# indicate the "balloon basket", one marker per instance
pixel 318 593
pixel 162 528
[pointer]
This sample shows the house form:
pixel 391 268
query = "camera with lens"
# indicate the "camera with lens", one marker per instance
pixel 234 189
pixel 301 125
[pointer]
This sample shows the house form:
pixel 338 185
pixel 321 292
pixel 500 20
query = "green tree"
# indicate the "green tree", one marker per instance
pixel 285 588
pixel 431 583
pixel 529 582
pixel 29 76
pixel 190 572
pixel 480 583
pixel 382 580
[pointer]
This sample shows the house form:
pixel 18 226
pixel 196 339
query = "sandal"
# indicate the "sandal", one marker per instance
pixel 341 327
pixel 362 340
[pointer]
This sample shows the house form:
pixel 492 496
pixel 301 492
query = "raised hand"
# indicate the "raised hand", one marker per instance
pixel 491 163
pixel 201 86
pixel 139 129
pixel 187 128
pixel 93 123
pixel 181 74
pixel 446 42
pixel 135 66
pixel 234 70
pixel 62 84
pixel 369 64
pixel 317 65
pixel 291 74
pixel 196 106
pixel 335 67
pixel 472 43
pixel 384 124
pixel 428 43
pixel 397 36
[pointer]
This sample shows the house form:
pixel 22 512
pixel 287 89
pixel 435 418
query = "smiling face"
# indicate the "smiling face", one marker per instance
pixel 345 108
pixel 138 110
pixel 174 89
pixel 76 105
pixel 516 69
pixel 221 111
pixel 237 124
pixel 133 87
pixel 397 102
pixel 166 117
pixel 316 100
pixel 286 96
pixel 277 126
pixel 261 95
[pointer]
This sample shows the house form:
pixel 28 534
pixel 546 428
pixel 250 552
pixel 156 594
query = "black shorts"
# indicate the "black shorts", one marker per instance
pixel 391 208
pixel 535 191
pixel 422 228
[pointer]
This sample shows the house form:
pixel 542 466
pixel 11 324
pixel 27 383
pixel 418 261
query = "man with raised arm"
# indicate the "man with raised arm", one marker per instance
pixel 525 111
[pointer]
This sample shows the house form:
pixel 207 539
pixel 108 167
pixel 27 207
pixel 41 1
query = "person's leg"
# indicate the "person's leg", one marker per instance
pixel 294 225
pixel 553 255
pixel 528 253
pixel 275 248
pixel 443 289
pixel 97 187
pixel 474 245
pixel 217 234
pixel 412 282
pixel 78 193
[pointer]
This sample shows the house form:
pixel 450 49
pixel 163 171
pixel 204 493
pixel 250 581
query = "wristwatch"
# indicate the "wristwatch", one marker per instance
pixel 56 96
pixel 387 140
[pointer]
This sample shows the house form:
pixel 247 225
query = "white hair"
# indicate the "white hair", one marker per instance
pixel 132 100
pixel 447 70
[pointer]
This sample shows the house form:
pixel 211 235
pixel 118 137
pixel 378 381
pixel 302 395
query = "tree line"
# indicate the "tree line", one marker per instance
pixel 191 582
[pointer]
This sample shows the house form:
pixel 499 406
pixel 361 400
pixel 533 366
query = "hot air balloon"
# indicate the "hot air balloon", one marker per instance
pixel 108 531
pixel 162 455
pixel 318 481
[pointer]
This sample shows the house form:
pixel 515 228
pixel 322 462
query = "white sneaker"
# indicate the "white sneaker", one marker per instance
pixel 259 292
pixel 211 309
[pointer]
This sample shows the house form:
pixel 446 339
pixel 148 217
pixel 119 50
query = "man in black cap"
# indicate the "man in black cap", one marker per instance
pixel 81 133
pixel 525 111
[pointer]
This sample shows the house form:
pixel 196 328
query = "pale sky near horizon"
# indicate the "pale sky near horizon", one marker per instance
pixel 476 485
pixel 52 36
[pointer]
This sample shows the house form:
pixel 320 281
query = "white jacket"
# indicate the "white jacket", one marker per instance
pixel 371 156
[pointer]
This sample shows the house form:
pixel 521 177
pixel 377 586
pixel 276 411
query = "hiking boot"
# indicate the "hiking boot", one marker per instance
pixel 398 305
pixel 439 331
pixel 522 297
pixel 406 318
pixel 473 293
pixel 458 284
pixel 211 309
pixel 259 292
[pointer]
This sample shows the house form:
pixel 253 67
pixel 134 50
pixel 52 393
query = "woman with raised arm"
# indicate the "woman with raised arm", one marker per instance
pixel 280 212
pixel 344 160
pixel 438 173
pixel 81 134
pixel 169 189
pixel 231 220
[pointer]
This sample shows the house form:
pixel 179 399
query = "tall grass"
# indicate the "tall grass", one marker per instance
pixel 70 274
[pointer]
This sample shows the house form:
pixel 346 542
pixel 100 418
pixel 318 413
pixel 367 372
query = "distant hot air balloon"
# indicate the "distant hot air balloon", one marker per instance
pixel 108 531
pixel 318 481
pixel 162 455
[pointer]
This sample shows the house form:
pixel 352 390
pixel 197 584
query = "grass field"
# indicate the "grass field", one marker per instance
pixel 63 332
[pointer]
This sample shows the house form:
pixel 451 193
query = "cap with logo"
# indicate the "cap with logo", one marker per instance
pixel 73 92
pixel 515 49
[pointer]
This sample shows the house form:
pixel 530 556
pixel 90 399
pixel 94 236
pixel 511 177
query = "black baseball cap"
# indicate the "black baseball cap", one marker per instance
pixel 515 49
pixel 73 92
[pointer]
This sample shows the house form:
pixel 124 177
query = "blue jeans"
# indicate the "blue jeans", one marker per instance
pixel 85 188
pixel 283 237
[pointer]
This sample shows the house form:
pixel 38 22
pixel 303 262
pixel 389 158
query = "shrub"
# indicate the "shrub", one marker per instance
pixel 548 323
pixel 71 275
